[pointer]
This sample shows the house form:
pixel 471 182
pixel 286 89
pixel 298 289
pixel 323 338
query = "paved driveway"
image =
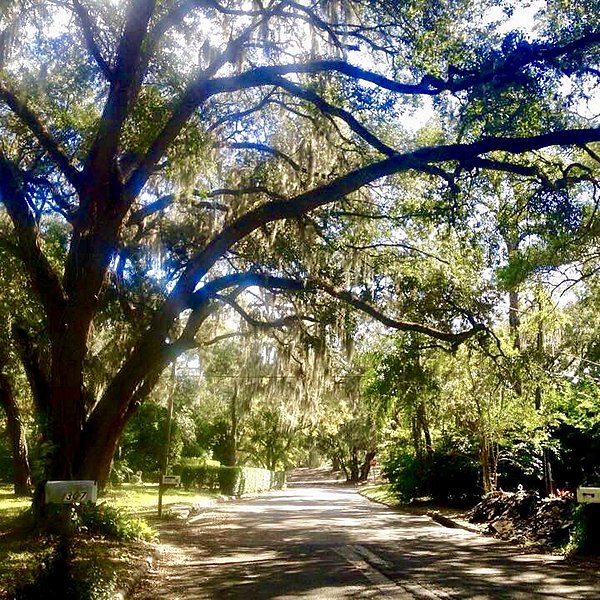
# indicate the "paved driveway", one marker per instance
pixel 329 542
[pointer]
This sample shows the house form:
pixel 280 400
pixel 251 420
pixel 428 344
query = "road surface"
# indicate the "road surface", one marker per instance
pixel 329 542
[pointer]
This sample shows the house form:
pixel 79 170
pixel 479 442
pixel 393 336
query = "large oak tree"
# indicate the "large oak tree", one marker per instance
pixel 158 158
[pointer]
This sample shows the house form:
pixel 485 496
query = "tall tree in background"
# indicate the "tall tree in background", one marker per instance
pixel 159 159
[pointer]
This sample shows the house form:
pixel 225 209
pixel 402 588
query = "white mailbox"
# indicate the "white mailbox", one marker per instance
pixel 171 479
pixel 71 492
pixel 587 495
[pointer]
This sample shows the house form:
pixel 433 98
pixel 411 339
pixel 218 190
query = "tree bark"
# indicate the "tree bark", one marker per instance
pixel 18 440
pixel 231 455
pixel 354 468
pixel 365 468
pixel 31 360
pixel 487 461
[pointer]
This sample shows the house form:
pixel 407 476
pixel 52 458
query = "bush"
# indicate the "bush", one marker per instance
pixel 198 473
pixel 447 476
pixel 231 481
pixel 408 478
pixel 586 524
pixel 113 523
pixel 58 577
pixel 454 478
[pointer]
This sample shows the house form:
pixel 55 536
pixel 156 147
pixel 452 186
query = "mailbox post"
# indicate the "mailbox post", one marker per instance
pixel 63 495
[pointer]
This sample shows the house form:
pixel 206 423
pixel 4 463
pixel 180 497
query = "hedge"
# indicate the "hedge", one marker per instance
pixel 230 481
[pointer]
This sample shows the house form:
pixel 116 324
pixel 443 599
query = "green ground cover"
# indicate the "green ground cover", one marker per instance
pixel 381 493
pixel 114 563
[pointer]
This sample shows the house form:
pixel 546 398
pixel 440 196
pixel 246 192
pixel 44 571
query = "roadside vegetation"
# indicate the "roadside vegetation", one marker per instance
pixel 103 551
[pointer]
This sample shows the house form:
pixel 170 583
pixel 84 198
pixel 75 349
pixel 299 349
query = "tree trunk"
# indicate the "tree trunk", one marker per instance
pixel 354 470
pixel 416 439
pixel 231 451
pixel 366 466
pixel 488 467
pixel 423 426
pixel 514 319
pixel 18 441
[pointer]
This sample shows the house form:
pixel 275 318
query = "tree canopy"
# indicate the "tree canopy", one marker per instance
pixel 162 159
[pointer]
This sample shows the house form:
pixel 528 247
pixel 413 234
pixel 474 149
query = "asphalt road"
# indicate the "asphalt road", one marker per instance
pixel 330 542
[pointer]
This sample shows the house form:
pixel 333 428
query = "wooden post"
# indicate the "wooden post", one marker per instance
pixel 165 461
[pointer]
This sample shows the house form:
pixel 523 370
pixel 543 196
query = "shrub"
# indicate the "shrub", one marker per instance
pixel 407 477
pixel 57 577
pixel 586 523
pixel 113 523
pixel 454 477
pixel 198 473
pixel 235 481
pixel 447 476
pixel 231 481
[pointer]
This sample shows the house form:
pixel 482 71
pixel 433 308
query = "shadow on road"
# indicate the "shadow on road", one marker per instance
pixel 296 543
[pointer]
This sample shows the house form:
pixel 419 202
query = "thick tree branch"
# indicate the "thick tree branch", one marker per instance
pixel 89 33
pixel 378 315
pixel 164 202
pixel 275 210
pixel 419 160
pixel 45 281
pixel 124 87
pixel 267 150
pixel 205 88
pixel 42 135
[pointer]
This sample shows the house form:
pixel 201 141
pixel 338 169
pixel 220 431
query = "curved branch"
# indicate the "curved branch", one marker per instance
pixel 375 313
pixel 267 150
pixel 330 109
pixel 45 280
pixel 419 160
pixel 258 324
pixel 184 290
pixel 41 133
pixel 88 29
pixel 242 281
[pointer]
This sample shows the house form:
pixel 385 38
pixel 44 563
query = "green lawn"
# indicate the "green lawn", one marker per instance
pixel 10 506
pixel 21 550
pixel 381 493
pixel 139 499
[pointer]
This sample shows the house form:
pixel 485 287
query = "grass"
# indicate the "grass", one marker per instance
pixel 142 499
pixel 10 507
pixel 382 494
pixel 21 551
pixel 422 506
